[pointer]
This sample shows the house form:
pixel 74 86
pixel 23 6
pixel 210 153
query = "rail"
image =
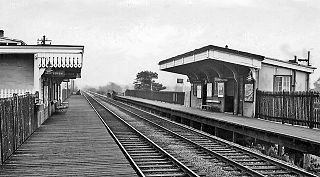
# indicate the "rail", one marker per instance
pixel 251 162
pixel 131 140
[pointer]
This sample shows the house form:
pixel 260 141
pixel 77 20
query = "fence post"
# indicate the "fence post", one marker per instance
pixel 282 107
pixel 311 110
pixel 15 121
pixel 257 104
pixel 1 118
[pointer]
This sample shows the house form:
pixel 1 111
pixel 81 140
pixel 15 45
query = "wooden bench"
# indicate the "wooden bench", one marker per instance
pixel 209 107
pixel 206 107
pixel 213 101
pixel 63 107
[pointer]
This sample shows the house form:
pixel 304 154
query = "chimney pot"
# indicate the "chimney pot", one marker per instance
pixel 1 33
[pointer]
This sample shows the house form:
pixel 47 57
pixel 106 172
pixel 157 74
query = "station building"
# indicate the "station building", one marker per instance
pixel 227 80
pixel 44 70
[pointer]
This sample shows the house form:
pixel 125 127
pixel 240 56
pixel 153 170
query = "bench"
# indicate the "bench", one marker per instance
pixel 213 101
pixel 206 107
pixel 210 107
pixel 63 107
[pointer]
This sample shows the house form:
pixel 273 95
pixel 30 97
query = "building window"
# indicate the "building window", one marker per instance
pixel 282 83
pixel 194 89
pixel 209 90
pixel 199 91
pixel 215 90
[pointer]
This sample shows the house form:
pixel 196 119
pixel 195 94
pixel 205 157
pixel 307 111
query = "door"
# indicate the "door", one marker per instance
pixel 229 96
pixel 204 94
pixel 241 96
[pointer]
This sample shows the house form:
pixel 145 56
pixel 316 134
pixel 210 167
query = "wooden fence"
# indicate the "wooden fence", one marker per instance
pixel 169 97
pixel 17 122
pixel 296 108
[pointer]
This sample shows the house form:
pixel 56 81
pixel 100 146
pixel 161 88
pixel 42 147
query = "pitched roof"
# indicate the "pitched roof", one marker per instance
pixel 202 49
pixel 9 40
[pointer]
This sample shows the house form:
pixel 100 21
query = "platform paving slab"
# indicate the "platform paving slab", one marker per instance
pixel 72 144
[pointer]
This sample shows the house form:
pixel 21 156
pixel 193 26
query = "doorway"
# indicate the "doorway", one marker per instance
pixel 204 94
pixel 229 96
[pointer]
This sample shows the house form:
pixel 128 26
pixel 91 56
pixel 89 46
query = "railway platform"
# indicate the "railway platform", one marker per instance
pixel 302 139
pixel 72 144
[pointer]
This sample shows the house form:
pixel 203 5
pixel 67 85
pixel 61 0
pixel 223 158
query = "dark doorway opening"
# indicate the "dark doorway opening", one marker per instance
pixel 229 96
pixel 204 94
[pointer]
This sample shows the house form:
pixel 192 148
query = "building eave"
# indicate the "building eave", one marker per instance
pixel 213 53
pixel 13 40
pixel 285 64
pixel 212 47
pixel 33 49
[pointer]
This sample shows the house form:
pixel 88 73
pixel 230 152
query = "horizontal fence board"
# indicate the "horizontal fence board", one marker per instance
pixel 169 97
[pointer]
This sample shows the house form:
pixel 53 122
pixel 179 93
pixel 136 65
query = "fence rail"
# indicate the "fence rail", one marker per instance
pixel 296 108
pixel 6 93
pixel 169 97
pixel 17 122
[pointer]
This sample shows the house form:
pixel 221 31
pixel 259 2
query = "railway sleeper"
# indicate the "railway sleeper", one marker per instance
pixel 249 160
pixel 226 151
pixel 199 140
pixel 162 170
pixel 129 140
pixel 166 175
pixel 229 168
pixel 146 156
pixel 218 147
pixel 256 164
pixel 133 144
pixel 265 167
pixel 136 146
pixel 150 160
pixel 236 153
pixel 143 152
pixel 233 157
pixel 275 173
pixel 156 165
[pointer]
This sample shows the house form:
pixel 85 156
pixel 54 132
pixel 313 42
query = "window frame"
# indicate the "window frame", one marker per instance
pixel 275 86
pixel 212 90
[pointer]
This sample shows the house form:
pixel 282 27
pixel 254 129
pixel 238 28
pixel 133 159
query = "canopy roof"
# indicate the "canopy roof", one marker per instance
pixel 224 54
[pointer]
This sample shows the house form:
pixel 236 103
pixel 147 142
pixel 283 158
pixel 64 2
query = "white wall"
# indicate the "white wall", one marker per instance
pixel 267 73
pixel 301 81
pixel 16 71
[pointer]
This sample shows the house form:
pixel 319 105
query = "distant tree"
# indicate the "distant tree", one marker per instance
pixel 157 86
pixel 109 88
pixel 316 85
pixel 144 81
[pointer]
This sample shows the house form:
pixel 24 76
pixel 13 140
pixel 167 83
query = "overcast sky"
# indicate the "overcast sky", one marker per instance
pixel 124 37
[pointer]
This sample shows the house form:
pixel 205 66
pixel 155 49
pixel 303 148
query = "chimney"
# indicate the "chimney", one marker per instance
pixel 1 33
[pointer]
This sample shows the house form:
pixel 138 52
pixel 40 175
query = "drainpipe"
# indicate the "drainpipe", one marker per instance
pixel 308 80
pixel 294 80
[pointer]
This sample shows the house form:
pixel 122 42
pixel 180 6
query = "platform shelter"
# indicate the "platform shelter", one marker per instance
pixel 38 69
pixel 226 80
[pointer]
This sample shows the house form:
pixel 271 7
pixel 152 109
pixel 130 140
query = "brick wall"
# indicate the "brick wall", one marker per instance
pixel 16 71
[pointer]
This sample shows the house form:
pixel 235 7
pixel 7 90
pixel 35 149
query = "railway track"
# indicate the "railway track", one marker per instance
pixel 147 158
pixel 231 156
